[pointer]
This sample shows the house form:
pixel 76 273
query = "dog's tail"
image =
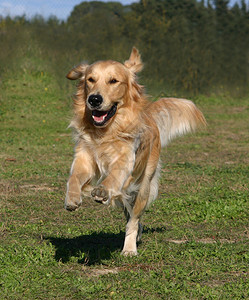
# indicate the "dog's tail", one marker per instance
pixel 175 117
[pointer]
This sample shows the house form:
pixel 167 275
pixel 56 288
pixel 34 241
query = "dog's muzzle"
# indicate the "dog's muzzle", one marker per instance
pixel 101 117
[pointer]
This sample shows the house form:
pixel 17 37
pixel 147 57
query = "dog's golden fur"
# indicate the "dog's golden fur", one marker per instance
pixel 119 135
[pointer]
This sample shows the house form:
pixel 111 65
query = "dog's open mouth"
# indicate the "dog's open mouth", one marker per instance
pixel 100 117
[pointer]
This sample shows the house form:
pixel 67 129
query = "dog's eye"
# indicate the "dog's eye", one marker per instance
pixel 112 81
pixel 90 79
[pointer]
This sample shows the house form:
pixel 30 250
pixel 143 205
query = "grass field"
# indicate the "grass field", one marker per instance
pixel 196 234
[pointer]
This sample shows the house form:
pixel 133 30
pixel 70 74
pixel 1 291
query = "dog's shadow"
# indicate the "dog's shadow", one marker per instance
pixel 91 249
pixel 87 249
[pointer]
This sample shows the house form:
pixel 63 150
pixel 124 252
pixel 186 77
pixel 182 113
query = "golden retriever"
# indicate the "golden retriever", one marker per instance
pixel 119 135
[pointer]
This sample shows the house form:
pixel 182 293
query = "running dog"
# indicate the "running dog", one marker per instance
pixel 119 135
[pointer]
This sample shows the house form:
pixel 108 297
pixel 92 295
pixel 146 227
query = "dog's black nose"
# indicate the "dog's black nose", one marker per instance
pixel 95 100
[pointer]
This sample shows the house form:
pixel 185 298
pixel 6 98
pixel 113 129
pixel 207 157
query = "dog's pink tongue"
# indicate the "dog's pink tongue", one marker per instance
pixel 99 119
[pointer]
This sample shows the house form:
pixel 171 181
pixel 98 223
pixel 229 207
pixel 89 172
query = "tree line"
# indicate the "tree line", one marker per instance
pixel 188 46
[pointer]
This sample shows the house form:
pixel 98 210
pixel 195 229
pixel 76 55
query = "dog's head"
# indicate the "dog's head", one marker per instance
pixel 106 85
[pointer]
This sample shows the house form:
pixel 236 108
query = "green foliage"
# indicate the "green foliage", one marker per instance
pixel 98 26
pixel 188 47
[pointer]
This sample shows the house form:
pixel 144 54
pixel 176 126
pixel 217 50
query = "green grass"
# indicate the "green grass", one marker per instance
pixel 195 240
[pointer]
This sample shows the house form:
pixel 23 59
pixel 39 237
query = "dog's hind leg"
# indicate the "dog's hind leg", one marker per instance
pixel 140 226
pixel 134 227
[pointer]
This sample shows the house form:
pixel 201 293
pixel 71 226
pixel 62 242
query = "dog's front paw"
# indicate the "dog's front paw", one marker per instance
pixel 72 201
pixel 100 194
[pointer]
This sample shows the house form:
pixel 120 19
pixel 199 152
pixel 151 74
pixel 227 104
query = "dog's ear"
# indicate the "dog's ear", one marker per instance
pixel 134 63
pixel 77 72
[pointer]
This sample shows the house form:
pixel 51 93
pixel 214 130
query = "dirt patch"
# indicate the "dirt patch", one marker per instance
pixel 7 188
pixel 202 241
pixel 214 241
pixel 231 277
pixel 35 187
pixel 103 271
pixel 238 109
